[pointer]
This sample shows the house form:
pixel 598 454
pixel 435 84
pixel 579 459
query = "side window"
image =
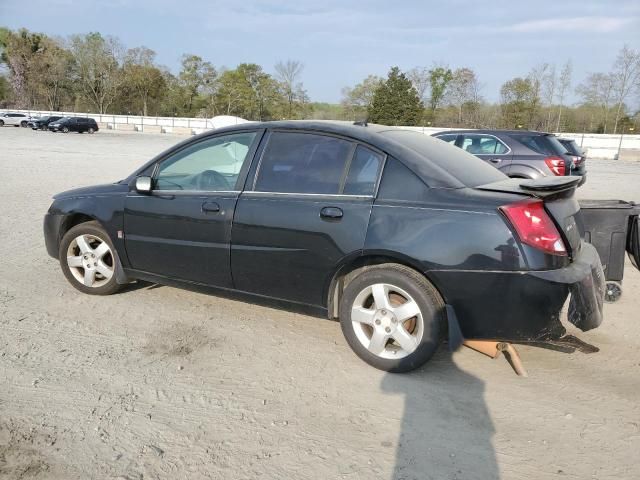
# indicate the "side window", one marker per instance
pixel 211 165
pixel 302 163
pixel 400 183
pixel 363 172
pixel 483 145
pixel 448 137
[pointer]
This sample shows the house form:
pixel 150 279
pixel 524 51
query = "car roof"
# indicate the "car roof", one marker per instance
pixel 493 132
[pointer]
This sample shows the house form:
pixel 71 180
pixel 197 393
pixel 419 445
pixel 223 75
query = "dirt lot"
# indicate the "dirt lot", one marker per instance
pixel 158 382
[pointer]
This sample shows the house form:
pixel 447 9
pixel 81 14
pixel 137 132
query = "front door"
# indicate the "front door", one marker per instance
pixel 307 210
pixel 182 229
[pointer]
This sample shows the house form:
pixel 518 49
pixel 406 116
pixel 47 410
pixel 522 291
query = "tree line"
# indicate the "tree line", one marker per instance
pixel 97 73
pixel 92 72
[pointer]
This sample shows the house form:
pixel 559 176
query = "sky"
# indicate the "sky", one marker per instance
pixel 340 42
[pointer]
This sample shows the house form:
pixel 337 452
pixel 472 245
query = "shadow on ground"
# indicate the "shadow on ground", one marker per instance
pixel 446 430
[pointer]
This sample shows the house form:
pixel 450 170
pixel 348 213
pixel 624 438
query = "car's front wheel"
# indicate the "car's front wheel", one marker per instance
pixel 88 259
pixel 1 123
pixel 391 317
pixel 65 130
pixel 23 124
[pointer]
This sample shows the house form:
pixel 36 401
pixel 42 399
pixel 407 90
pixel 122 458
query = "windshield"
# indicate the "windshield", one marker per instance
pixel 467 168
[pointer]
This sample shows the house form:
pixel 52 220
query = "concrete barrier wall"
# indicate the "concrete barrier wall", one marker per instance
pixel 596 145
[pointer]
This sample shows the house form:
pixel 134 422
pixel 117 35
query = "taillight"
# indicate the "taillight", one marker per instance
pixel 556 165
pixel 534 226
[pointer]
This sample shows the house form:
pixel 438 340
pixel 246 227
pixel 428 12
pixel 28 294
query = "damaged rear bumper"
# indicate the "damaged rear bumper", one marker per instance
pixel 586 281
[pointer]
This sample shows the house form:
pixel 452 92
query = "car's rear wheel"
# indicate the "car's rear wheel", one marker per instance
pixel 1 123
pixel 91 130
pixel 23 124
pixel 391 317
pixel 65 129
pixel 88 259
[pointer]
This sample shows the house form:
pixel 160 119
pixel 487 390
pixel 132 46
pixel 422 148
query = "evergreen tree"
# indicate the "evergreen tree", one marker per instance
pixel 396 101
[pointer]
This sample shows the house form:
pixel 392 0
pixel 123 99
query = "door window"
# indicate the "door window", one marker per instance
pixel 302 163
pixel 483 145
pixel 363 172
pixel 211 165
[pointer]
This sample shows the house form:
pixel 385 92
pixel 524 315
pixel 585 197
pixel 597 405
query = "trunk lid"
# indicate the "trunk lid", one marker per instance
pixel 558 195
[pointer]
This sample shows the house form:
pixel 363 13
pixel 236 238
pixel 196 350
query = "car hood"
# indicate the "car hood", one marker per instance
pixel 94 190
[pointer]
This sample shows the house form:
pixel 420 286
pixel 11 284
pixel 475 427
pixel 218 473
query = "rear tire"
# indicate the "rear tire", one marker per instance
pixel 91 130
pixel 89 260
pixel 613 292
pixel 65 130
pixel 23 124
pixel 391 317
pixel 1 123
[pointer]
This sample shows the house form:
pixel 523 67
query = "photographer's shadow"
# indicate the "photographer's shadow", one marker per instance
pixel 446 430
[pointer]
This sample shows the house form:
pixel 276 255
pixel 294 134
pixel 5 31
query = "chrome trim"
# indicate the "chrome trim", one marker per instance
pixel 294 194
pixel 192 192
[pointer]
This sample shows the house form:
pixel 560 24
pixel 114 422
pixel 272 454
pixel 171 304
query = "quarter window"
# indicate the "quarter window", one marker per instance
pixel 363 172
pixel 302 163
pixel 400 183
pixel 211 165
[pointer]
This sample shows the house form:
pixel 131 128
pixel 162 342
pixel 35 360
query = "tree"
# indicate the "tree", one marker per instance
pixel 598 90
pixel 98 68
pixel 439 78
pixel 142 78
pixel 516 102
pixel 396 101
pixel 463 89
pixel 193 77
pixel 549 89
pixel 357 100
pixel 18 53
pixel 564 83
pixel 626 77
pixel 421 80
pixel 288 74
pixel 249 92
pixel 536 78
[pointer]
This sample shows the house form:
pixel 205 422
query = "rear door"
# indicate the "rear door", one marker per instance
pixel 306 211
pixel 488 148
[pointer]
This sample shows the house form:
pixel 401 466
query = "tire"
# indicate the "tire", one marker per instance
pixel 23 124
pixel 97 252
pixel 65 130
pixel 91 130
pixel 613 292
pixel 1 123
pixel 402 286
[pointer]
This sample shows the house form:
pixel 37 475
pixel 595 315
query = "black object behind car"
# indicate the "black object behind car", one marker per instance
pixel 612 227
pixel 74 124
pixel 518 153
pixel 42 123
pixel 391 231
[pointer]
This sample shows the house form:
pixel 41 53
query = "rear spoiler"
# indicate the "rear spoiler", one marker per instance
pixel 540 187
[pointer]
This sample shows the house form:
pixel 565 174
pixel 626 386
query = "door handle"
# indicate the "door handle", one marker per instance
pixel 210 207
pixel 331 213
pixel 495 160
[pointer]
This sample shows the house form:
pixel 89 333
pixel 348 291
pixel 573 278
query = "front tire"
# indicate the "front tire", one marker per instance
pixel 391 317
pixel 23 124
pixel 88 259
pixel 65 130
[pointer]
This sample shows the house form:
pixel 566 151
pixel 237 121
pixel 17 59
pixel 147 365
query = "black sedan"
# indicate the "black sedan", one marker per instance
pixel 396 234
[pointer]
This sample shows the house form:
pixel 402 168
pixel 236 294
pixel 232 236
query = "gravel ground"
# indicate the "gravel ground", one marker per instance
pixel 158 382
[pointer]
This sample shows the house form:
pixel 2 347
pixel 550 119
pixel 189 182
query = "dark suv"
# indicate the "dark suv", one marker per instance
pixel 74 124
pixel 393 232
pixel 518 153
pixel 42 123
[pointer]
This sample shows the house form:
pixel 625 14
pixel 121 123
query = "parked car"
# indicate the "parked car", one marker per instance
pixel 15 119
pixel 393 232
pixel 518 153
pixel 74 124
pixel 578 155
pixel 42 123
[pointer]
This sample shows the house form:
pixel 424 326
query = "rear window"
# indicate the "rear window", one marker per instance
pixel 571 146
pixel 542 144
pixel 468 169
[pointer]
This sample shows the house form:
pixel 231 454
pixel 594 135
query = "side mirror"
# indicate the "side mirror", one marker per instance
pixel 143 184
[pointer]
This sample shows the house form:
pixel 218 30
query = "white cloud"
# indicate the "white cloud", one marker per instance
pixel 599 24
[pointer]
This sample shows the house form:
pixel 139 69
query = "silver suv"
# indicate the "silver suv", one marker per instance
pixel 518 153
pixel 15 119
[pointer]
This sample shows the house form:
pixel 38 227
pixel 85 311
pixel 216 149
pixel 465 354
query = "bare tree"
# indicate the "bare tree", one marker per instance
pixel 98 63
pixel 549 86
pixel 357 100
pixel 288 74
pixel 462 90
pixel 536 77
pixel 421 79
pixel 598 90
pixel 564 83
pixel 626 73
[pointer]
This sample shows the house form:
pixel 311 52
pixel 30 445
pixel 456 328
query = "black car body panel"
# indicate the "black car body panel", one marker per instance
pixel 73 124
pixel 42 123
pixel 288 246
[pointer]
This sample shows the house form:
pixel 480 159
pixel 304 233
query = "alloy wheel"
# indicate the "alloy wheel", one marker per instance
pixel 387 321
pixel 90 260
